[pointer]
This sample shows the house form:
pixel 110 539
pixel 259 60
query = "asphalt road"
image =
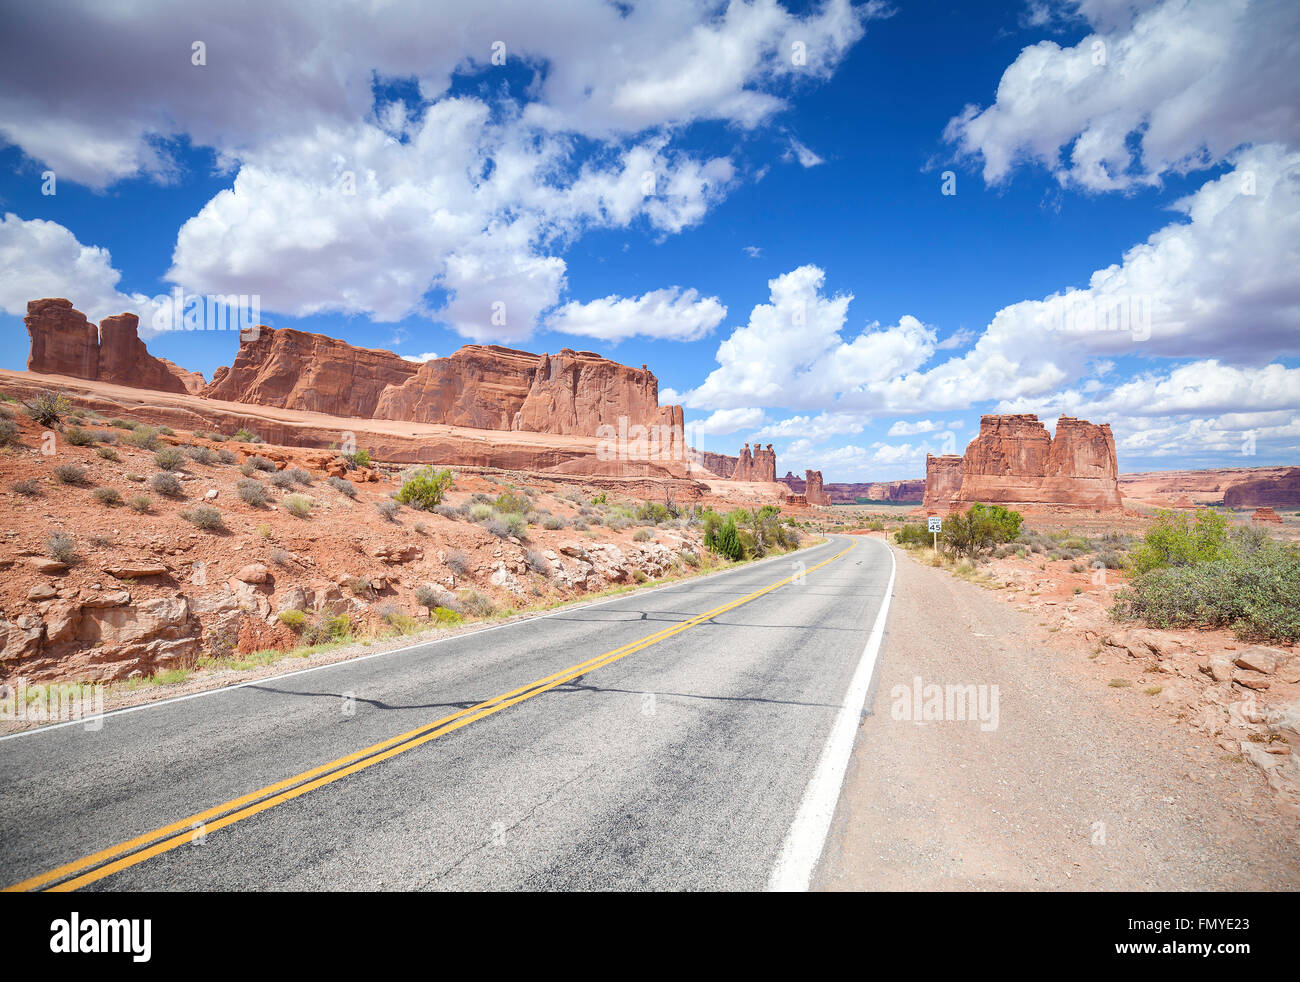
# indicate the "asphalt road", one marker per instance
pixel 679 766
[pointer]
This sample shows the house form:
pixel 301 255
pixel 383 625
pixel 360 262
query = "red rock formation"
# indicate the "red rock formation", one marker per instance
pixel 895 492
pixel 942 481
pixel 1014 461
pixel 796 484
pixel 757 466
pixel 309 372
pixel 721 464
pixel 1266 515
pixel 1275 492
pixel 815 493
pixel 65 343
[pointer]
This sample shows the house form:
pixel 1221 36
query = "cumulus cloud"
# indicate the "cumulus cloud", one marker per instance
pixel 806 157
pixel 422 358
pixel 727 421
pixel 43 259
pixel 1173 88
pixel 792 353
pixel 672 314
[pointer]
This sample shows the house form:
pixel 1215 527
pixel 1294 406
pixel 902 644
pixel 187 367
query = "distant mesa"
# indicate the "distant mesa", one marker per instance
pixel 1014 461
pixel 1266 492
pixel 479 386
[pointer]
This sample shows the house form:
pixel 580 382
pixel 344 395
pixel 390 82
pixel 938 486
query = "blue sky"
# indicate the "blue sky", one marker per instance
pixel 1106 156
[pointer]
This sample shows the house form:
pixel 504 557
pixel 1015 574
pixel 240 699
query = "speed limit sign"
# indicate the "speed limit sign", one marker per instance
pixel 936 524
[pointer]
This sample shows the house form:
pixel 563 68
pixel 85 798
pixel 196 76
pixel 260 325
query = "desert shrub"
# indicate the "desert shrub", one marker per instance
pixel 517 524
pixel 28 487
pixel 108 496
pixel 294 619
pixel 398 619
pixel 480 512
pixel 640 575
pixel 457 563
pixel 251 492
pixel 165 482
pixel 261 463
pixel 298 505
pixel 600 499
pixel 226 456
pixel 281 557
pixel 243 435
pixel 78 437
pixel 497 527
pixel 136 478
pixel 62 548
pixel 424 488
pixel 690 558
pixel 122 424
pixel 552 523
pixel 202 455
pixel 446 617
pixel 328 627
pixel 70 474
pixel 299 476
pixel 642 535
pixel 1003 524
pixel 343 486
pixel 359 459
pixel 447 511
pixel 169 459
pixel 538 562
pixel 143 438
pixel 476 604
pixel 978 530
pixel 1176 540
pixel 48 408
pixel 581 524
pixel 431 596
pixel 8 432
pixel 139 503
pixel 1255 593
pixel 281 479
pixel 388 508
pixel 166 431
pixel 617 522
pixel 108 453
pixel 359 585
pixel 205 517
pixel 508 503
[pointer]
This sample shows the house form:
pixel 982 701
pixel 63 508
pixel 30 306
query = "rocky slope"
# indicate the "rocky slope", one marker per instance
pixel 1014 461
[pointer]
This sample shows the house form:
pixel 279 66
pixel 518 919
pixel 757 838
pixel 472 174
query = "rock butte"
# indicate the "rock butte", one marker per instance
pixel 1014 461
pixel 757 466
pixel 1282 492
pixel 906 492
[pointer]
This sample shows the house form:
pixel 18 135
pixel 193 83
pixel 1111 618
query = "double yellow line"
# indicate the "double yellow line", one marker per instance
pixel 106 862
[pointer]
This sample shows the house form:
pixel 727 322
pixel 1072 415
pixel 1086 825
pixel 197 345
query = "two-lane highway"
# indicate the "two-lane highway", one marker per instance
pixel 662 740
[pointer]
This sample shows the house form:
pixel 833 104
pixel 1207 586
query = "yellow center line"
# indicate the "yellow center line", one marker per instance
pixel 116 858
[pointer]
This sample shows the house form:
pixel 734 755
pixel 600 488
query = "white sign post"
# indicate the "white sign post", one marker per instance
pixel 936 526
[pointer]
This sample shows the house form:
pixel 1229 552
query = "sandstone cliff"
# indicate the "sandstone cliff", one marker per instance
pixel 721 464
pixel 1278 492
pixel 814 491
pixel 65 343
pixel 760 465
pixel 1014 461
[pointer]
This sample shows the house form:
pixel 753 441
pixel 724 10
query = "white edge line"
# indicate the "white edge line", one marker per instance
pixel 36 731
pixel 803 844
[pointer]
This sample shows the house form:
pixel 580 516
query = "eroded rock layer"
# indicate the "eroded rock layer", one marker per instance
pixel 1015 461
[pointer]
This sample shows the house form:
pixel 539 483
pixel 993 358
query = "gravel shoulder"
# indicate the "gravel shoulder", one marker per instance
pixel 1073 790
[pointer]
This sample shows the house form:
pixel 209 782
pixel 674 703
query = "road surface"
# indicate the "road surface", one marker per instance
pixel 629 744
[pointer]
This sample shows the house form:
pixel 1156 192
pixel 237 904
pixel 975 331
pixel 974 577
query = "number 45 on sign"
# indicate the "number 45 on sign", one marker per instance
pixel 936 526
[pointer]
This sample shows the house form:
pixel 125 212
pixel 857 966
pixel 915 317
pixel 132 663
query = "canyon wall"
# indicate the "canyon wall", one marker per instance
pixel 721 464
pixel 1014 461
pixel 1267 492
pixel 814 492
pixel 64 342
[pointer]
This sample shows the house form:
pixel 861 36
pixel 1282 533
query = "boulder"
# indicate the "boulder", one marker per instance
pixel 42 591
pixel 135 569
pixel 1262 660
pixel 253 573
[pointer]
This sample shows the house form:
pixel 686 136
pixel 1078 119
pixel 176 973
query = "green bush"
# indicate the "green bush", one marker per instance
pixel 424 488
pixel 143 437
pixel 1256 593
pixel 70 474
pixel 1176 540
pixel 78 437
pixel 727 541
pixel 252 492
pixel 1003 523
pixel 292 618
pixel 201 455
pixel 359 459
pixel 139 503
pixel 476 604
pixel 108 496
pixel 246 436
pixel 165 482
pixel 48 408
pixel 108 453
pixel 445 616
pixel 911 536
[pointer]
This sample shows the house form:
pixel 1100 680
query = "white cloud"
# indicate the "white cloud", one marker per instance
pixel 791 353
pixel 421 359
pixel 1178 87
pixel 43 259
pixel 671 314
pixel 797 151
pixel 814 428
pixel 902 428
pixel 727 421
pixel 753 252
